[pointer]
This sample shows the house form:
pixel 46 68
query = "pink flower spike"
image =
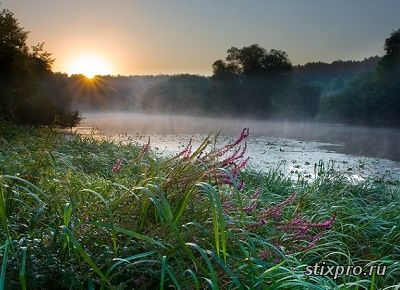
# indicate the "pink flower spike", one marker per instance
pixel 251 208
pixel 185 153
pixel 240 185
pixel 256 194
pixel 117 166
pixel 243 163
pixel 146 147
pixel 277 214
pixel 326 224
pixel 243 135
pixel 263 255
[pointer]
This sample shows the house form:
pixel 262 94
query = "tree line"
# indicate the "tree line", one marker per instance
pixel 333 77
pixel 259 83
pixel 199 94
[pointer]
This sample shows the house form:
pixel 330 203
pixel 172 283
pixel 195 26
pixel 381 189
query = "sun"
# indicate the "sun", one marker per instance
pixel 89 65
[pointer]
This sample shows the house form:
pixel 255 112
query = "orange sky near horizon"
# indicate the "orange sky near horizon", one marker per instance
pixel 167 37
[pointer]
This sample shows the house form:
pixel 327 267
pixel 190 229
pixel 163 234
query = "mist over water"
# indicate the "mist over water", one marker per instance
pixel 294 146
pixel 363 141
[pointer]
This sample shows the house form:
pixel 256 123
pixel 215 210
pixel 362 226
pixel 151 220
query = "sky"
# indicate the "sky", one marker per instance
pixel 186 36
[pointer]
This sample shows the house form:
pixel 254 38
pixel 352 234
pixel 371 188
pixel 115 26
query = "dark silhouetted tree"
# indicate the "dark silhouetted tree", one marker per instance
pixel 392 44
pixel 255 81
pixel 25 96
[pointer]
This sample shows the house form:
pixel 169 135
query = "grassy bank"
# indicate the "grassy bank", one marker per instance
pixel 77 213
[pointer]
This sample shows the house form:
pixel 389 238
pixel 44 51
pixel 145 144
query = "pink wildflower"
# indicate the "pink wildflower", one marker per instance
pixel 117 166
pixel 240 185
pixel 263 255
pixel 276 211
pixel 251 208
pixel 243 163
pixel 277 214
pixel 146 147
pixel 225 149
pixel 256 195
pixel 313 242
pixel 243 135
pixel 185 153
pixel 325 224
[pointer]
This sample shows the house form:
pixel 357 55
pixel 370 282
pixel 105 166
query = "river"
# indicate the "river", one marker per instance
pixel 358 152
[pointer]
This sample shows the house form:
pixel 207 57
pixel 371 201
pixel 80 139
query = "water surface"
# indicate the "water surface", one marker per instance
pixel 358 152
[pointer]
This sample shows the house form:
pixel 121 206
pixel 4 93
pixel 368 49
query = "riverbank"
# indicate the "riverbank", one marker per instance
pixel 81 212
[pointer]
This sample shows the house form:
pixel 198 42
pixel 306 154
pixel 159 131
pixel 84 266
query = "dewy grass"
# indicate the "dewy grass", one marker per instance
pixel 81 213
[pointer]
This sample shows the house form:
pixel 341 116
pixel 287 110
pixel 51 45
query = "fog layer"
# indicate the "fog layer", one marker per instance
pixel 362 141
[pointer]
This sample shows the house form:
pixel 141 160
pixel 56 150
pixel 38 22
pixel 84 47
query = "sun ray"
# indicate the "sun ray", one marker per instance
pixel 89 65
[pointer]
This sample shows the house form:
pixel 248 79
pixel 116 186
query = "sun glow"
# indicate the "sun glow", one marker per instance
pixel 89 66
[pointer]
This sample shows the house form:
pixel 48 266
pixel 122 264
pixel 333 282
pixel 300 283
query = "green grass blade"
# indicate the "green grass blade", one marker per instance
pixel 128 233
pixel 212 272
pixel 3 210
pixel 120 261
pixel 163 271
pixel 372 287
pixel 4 266
pixel 266 272
pixel 217 217
pixel 194 278
pixel 27 183
pixel 22 274
pixel 173 278
pixel 183 202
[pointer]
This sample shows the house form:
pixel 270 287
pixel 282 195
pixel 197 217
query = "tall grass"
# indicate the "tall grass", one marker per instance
pixel 82 213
